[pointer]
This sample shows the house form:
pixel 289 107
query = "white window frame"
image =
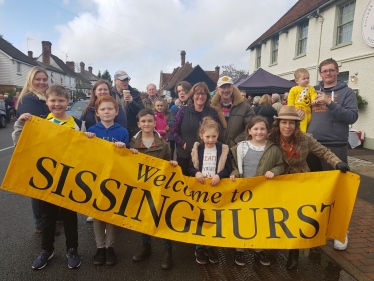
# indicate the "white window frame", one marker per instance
pixel 302 39
pixel 258 57
pixel 19 67
pixel 344 26
pixel 274 50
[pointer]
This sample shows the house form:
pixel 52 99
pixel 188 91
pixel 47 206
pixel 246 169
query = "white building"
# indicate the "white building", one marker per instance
pixel 312 31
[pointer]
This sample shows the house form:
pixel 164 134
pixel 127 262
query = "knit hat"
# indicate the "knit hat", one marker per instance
pixel 288 113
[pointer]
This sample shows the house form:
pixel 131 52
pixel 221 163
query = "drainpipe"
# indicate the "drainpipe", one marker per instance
pixel 321 20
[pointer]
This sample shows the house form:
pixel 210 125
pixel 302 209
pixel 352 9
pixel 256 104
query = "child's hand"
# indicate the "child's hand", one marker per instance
pixel 24 117
pixel 90 135
pixel 119 144
pixel 215 180
pixel 314 102
pixel 167 128
pixel 200 178
pixel 232 178
pixel 133 150
pixel 174 163
pixel 269 175
pixel 301 113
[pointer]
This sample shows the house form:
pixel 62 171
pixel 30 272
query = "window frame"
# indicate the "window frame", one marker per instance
pixel 339 28
pixel 19 67
pixel 274 50
pixel 302 40
pixel 258 56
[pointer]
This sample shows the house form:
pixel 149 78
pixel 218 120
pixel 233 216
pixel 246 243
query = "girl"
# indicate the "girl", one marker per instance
pixel 209 160
pixel 161 126
pixel 256 156
pixel 107 109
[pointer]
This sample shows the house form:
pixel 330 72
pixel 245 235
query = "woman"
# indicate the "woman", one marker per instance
pixel 187 122
pixel 100 88
pixel 32 100
pixel 265 109
pixel 295 146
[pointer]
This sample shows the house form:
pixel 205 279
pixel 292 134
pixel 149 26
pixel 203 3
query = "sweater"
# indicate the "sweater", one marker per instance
pixel 114 133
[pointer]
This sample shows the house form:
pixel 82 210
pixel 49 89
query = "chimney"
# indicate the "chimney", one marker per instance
pixel 46 52
pixel 217 72
pixel 183 57
pixel 71 65
pixel 29 54
pixel 82 67
pixel 90 69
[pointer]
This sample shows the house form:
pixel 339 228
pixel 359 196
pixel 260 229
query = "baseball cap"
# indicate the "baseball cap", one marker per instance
pixel 224 80
pixel 121 75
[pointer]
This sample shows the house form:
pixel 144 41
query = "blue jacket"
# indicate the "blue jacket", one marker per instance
pixel 31 104
pixel 114 133
pixel 89 117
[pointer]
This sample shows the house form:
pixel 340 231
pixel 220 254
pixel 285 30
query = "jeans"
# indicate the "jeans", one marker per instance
pixel 146 239
pixel 37 212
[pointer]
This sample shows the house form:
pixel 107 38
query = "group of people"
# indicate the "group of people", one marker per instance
pixel 218 137
pixel 8 106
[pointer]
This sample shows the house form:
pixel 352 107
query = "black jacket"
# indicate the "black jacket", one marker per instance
pixel 266 111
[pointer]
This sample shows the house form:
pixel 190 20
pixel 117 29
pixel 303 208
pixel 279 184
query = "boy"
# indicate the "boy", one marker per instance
pixel 106 108
pixel 302 97
pixel 149 142
pixel 57 102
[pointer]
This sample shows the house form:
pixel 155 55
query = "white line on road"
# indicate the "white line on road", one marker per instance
pixel 6 148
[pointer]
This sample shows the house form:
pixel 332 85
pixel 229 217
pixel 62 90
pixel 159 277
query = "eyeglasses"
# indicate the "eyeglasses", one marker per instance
pixel 200 94
pixel 328 71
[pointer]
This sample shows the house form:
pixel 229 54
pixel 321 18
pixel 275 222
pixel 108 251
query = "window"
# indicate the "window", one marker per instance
pixel 19 68
pixel 345 22
pixel 302 38
pixel 274 50
pixel 52 78
pixel 343 76
pixel 258 57
pixel 62 79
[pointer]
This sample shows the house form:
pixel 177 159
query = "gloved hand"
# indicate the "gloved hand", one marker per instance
pixel 342 166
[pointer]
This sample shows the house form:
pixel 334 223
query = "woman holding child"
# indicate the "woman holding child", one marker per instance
pixel 295 147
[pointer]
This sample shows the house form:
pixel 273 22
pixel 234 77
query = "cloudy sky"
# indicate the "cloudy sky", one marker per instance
pixel 141 37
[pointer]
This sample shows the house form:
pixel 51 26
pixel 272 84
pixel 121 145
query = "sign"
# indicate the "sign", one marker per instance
pixel 368 24
pixel 135 191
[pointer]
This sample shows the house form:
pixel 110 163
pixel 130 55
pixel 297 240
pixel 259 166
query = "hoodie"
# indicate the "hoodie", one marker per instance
pixel 330 123
pixel 90 119
pixel 113 134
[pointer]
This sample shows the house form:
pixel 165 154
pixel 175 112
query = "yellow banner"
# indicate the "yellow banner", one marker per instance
pixel 93 177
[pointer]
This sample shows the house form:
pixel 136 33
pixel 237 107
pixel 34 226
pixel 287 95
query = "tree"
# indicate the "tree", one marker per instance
pixel 231 71
pixel 99 74
pixel 107 76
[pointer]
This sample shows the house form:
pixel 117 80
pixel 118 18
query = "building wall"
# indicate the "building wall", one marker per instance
pixel 4 69
pixel 354 58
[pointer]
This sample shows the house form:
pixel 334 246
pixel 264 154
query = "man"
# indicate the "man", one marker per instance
pixel 131 104
pixel 233 112
pixel 285 98
pixel 335 109
pixel 275 100
pixel 8 107
pixel 244 95
pixel 149 101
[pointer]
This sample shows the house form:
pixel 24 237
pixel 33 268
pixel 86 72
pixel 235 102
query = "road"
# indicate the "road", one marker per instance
pixel 20 246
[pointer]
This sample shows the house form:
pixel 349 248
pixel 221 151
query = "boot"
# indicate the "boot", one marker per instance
pixel 144 252
pixel 167 259
pixel 293 259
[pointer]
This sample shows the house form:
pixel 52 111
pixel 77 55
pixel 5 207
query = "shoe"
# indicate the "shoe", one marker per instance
pixel 239 258
pixel 262 257
pixel 293 259
pixel 99 257
pixel 167 261
pixel 110 258
pixel 201 258
pixel 144 252
pixel 89 219
pixel 341 246
pixel 38 230
pixel 212 255
pixel 74 260
pixel 41 261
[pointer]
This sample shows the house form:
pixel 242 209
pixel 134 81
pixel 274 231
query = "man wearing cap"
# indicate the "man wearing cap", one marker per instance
pixel 129 101
pixel 149 101
pixel 233 112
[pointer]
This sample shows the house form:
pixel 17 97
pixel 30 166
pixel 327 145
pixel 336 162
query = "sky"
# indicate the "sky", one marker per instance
pixel 142 37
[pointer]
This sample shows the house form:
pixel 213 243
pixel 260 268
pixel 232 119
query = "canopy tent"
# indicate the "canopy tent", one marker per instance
pixel 262 82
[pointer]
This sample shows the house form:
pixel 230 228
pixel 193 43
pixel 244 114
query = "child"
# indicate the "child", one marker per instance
pixel 302 96
pixel 149 142
pixel 256 156
pixel 161 126
pixel 57 102
pixel 106 109
pixel 209 160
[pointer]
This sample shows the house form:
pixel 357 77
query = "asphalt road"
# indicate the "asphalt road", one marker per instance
pixel 20 246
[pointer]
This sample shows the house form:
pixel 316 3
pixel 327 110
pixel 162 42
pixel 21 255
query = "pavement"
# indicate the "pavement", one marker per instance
pixel 20 245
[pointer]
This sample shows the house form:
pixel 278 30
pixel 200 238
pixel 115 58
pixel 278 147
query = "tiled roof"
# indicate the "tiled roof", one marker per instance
pixel 178 74
pixel 13 52
pixel 90 76
pixel 300 9
pixel 212 75
pixel 166 77
pixel 50 67
pixel 63 66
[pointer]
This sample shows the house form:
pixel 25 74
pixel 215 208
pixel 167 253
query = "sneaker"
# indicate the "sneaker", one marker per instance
pixel 212 255
pixel 341 246
pixel 239 258
pixel 201 258
pixel 41 261
pixel 89 219
pixel 99 257
pixel 110 258
pixel 74 260
pixel 263 258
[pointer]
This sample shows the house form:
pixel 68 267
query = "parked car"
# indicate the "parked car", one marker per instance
pixel 77 108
